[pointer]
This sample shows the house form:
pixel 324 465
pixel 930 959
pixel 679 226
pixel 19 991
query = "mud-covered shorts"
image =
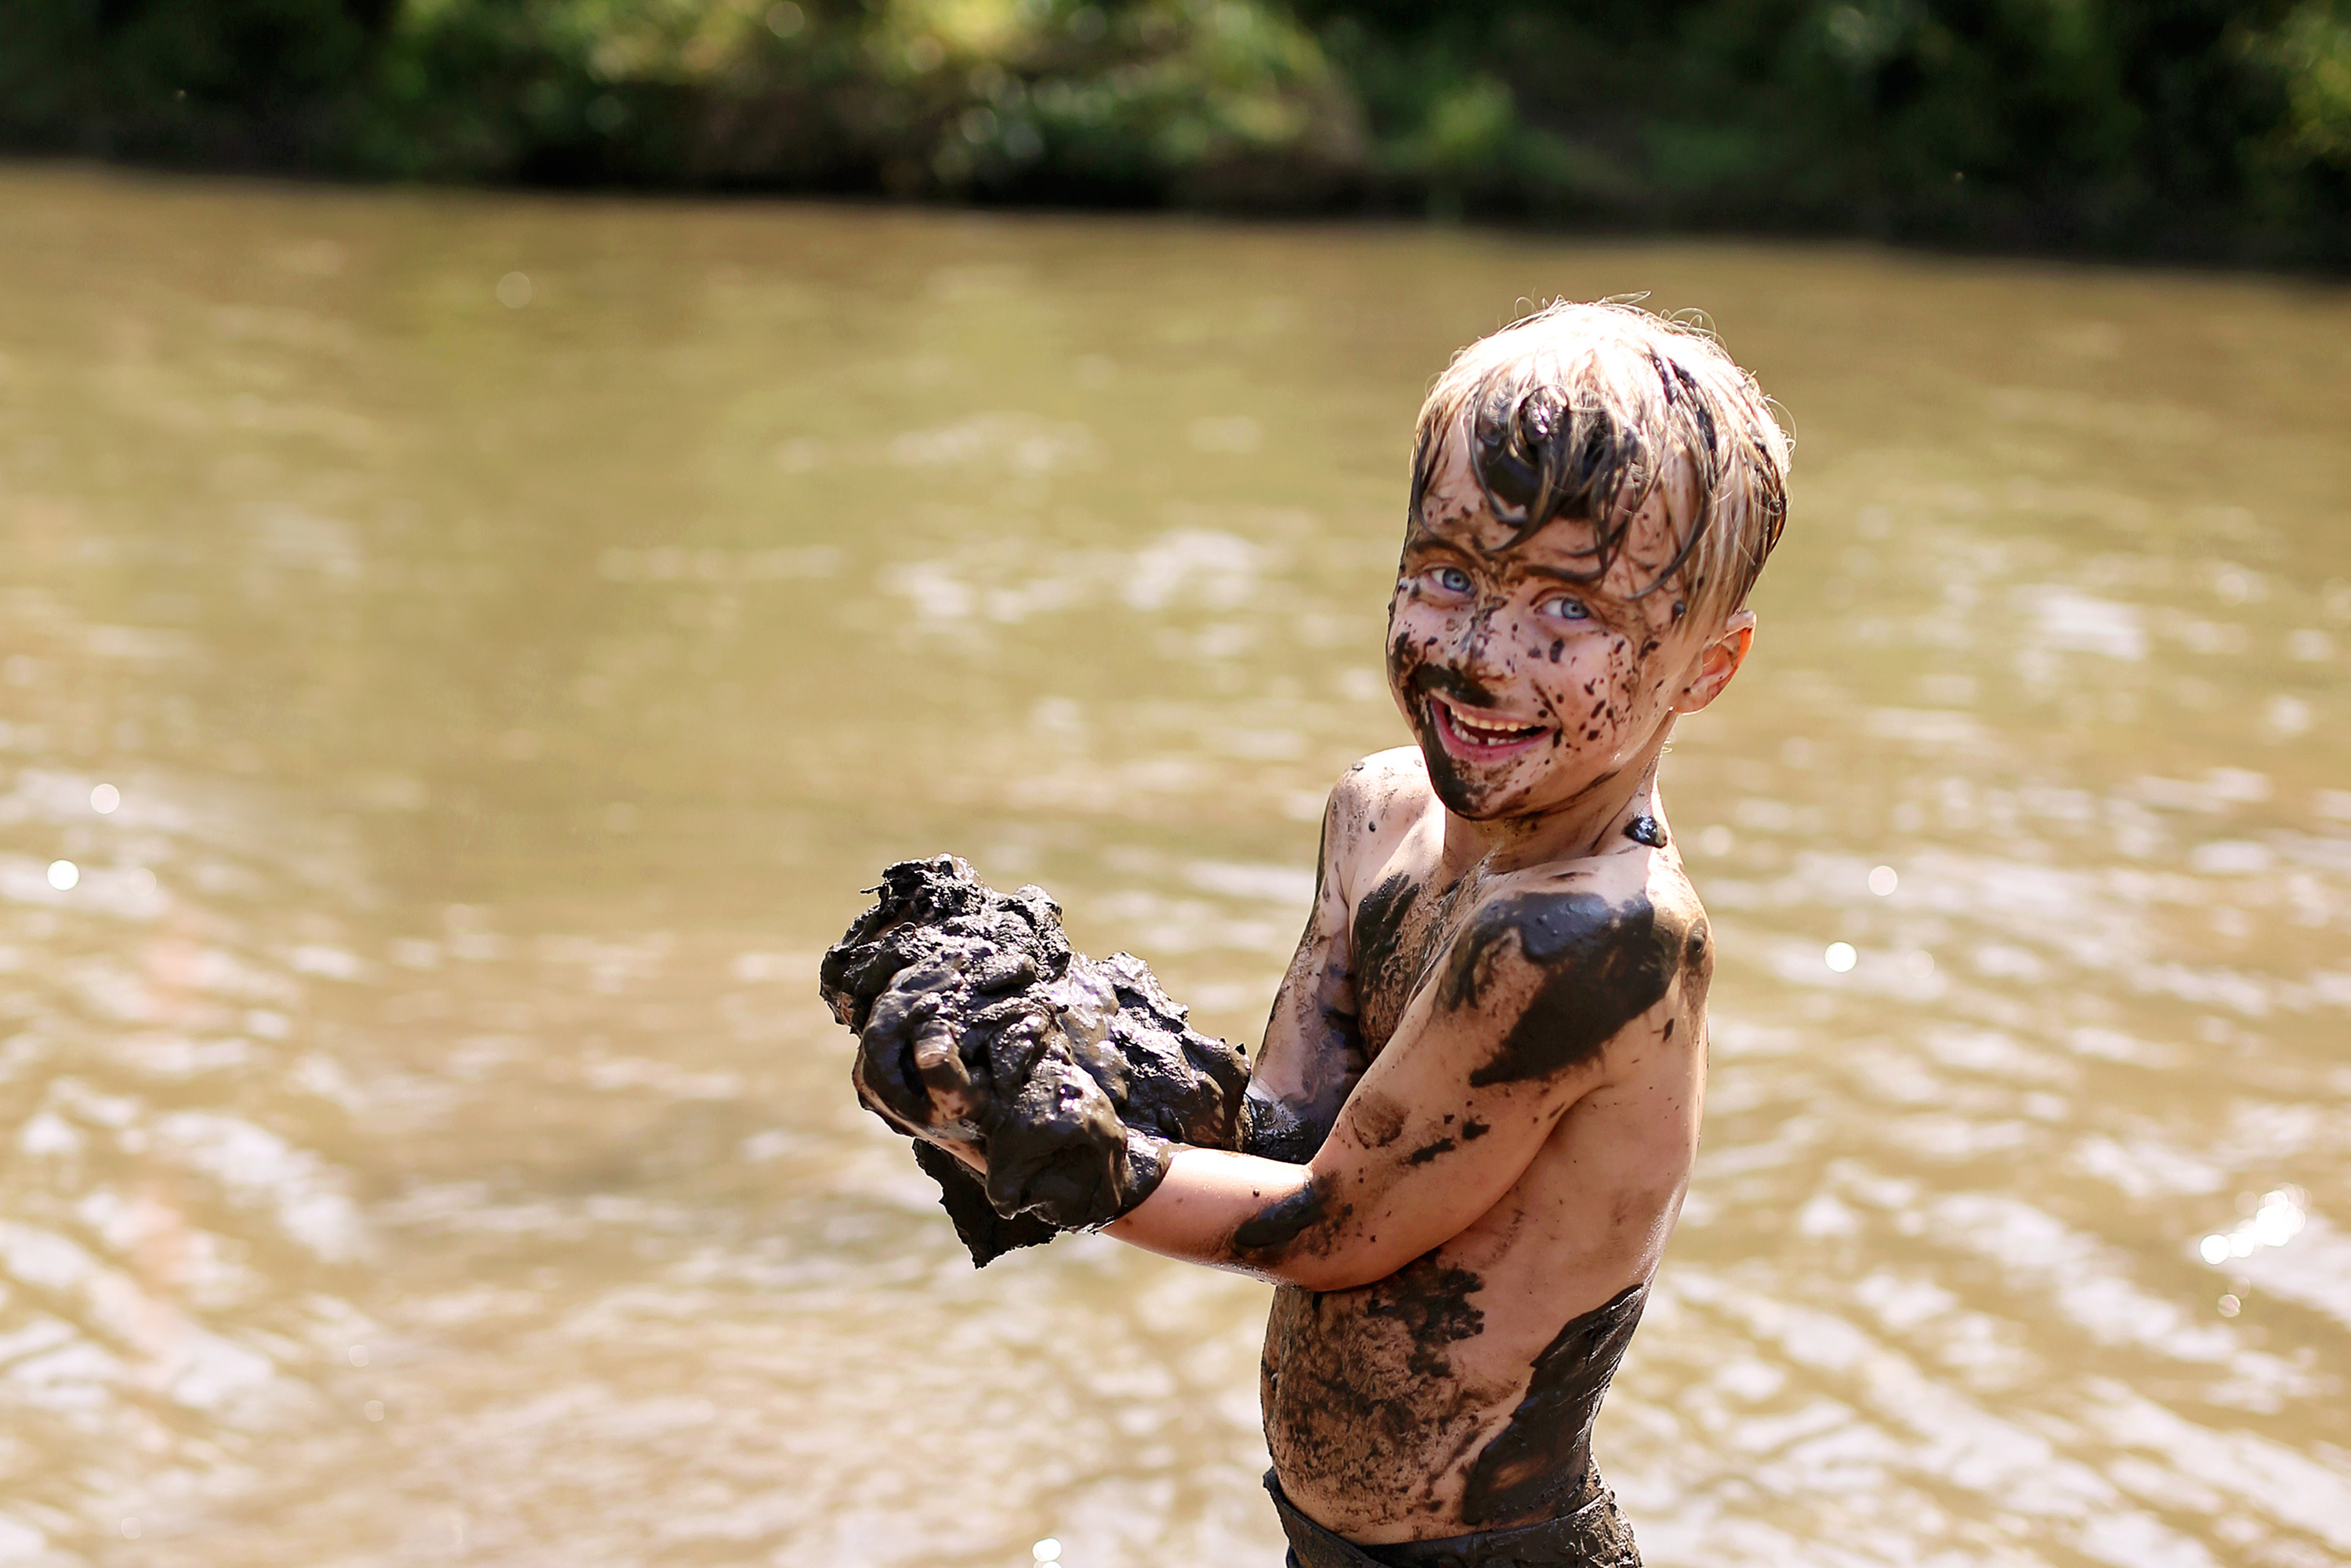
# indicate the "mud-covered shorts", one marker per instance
pixel 1593 1536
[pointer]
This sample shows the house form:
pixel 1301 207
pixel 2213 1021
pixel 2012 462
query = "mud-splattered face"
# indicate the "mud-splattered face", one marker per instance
pixel 1526 686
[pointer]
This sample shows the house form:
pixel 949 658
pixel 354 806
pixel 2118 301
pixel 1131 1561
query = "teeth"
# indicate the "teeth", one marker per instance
pixel 1491 734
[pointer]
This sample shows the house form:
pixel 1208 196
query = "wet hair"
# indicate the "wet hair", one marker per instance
pixel 1587 411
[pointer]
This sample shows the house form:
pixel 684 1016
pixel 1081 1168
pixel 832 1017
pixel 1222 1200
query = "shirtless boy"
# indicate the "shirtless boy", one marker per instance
pixel 1473 1118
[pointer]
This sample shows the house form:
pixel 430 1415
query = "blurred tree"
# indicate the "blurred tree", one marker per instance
pixel 2212 127
pixel 238 82
pixel 2115 125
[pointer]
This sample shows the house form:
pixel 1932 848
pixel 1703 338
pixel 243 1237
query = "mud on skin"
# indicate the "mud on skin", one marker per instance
pixel 1540 1464
pixel 1601 967
pixel 1359 1386
pixel 1279 1223
pixel 1379 930
pixel 1067 1072
pixel 1397 933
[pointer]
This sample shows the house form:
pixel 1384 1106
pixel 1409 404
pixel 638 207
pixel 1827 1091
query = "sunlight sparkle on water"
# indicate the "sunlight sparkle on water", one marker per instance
pixel 2277 1221
pixel 105 799
pixel 64 874
pixel 1884 879
pixel 1046 1551
pixel 1841 957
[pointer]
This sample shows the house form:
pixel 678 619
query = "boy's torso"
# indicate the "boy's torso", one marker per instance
pixel 1457 1394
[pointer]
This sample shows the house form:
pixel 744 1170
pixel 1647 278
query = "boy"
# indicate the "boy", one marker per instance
pixel 1472 1121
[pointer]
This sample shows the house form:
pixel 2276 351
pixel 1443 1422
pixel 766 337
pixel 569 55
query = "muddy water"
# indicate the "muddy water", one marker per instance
pixel 509 633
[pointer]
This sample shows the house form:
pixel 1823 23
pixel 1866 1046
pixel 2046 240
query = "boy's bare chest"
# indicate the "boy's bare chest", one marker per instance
pixel 1400 930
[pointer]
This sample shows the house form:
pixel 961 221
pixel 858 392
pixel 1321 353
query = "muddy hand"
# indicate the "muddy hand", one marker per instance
pixel 910 1069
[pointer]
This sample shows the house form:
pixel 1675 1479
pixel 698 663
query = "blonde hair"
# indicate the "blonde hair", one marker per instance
pixel 1585 412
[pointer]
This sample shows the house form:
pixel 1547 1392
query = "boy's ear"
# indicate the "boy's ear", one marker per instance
pixel 1719 662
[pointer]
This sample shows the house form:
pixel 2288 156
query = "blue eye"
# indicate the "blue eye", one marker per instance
pixel 1570 610
pixel 1451 578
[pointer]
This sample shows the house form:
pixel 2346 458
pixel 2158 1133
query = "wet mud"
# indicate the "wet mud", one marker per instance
pixel 1542 1462
pixel 1604 965
pixel 1280 1222
pixel 1645 829
pixel 1379 930
pixel 1360 1392
pixel 1274 1131
pixel 978 1023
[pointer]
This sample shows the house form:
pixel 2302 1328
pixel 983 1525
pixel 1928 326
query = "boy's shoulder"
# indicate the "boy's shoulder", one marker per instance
pixel 1572 952
pixel 1397 776
pixel 1376 808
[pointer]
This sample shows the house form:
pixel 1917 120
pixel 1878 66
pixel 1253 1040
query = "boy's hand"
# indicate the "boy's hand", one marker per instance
pixel 1053 1145
pixel 910 1069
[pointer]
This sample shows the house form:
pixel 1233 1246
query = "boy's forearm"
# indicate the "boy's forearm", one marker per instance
pixel 1233 1211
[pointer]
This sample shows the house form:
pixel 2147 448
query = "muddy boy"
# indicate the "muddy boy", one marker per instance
pixel 1471 1124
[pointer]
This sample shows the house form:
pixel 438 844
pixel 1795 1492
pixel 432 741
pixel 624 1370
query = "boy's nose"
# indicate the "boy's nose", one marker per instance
pixel 1474 643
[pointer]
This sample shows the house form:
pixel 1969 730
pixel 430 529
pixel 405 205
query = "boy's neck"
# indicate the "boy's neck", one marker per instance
pixel 1576 829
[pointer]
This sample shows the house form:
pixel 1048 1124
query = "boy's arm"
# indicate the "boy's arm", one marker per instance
pixel 1313 1053
pixel 1540 993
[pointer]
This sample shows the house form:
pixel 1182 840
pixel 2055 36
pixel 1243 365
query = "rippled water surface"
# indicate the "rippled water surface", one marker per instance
pixel 512 630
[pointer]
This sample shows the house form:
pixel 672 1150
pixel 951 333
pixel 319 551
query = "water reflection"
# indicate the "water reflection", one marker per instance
pixel 465 721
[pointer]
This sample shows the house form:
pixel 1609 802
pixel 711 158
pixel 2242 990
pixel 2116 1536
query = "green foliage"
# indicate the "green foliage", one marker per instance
pixel 1191 100
pixel 2313 50
pixel 2195 127
pixel 2216 128
pixel 237 81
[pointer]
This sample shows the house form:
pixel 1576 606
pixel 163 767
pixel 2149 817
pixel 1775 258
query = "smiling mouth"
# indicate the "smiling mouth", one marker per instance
pixel 1481 739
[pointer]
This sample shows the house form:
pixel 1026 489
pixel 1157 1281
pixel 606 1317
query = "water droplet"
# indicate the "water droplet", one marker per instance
pixel 64 874
pixel 1884 879
pixel 1841 957
pixel 105 799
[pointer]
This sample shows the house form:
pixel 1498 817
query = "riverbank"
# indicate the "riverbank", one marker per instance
pixel 2212 130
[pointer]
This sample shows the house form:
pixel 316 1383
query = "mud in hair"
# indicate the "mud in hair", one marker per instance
pixel 1585 413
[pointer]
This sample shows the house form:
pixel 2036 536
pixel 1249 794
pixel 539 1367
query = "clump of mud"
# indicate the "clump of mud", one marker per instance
pixel 977 1023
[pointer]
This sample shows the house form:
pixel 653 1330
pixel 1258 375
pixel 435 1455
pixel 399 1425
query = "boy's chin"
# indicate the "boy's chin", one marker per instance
pixel 1466 790
pixel 1475 795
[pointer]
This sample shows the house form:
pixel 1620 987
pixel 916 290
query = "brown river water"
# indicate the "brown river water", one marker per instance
pixel 508 632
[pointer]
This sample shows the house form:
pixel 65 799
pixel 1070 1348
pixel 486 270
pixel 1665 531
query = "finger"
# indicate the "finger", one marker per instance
pixel 886 1073
pixel 938 1060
